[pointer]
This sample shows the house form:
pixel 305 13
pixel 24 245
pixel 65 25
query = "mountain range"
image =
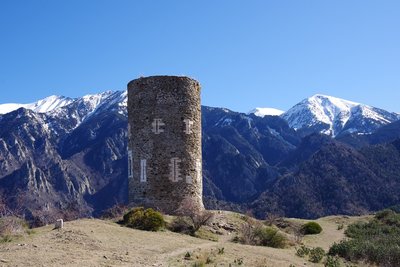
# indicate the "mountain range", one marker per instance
pixel 323 156
pixel 332 116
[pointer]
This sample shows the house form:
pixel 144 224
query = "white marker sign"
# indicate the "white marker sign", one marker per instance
pixel 157 124
pixel 188 124
pixel 130 164
pixel 143 171
pixel 175 171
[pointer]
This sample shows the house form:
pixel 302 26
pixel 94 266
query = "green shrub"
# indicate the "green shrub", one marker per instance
pixel 384 214
pixel 199 263
pixel 302 251
pixel 332 262
pixel 388 217
pixel 311 228
pixel 270 237
pixel 6 238
pixel 395 208
pixel 376 241
pixel 340 248
pixel 144 219
pixel 255 233
pixel 316 254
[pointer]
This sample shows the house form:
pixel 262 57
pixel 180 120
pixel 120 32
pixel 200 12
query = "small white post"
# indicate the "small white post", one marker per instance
pixel 59 224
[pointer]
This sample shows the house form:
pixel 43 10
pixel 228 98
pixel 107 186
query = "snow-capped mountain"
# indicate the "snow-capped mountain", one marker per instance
pixel 72 111
pixel 262 112
pixel 319 113
pixel 42 106
pixel 334 116
pixel 54 103
pixel 115 101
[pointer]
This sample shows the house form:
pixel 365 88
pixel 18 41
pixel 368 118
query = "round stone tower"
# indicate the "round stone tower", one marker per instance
pixel 164 149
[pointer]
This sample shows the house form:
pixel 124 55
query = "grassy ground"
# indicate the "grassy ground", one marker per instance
pixel 92 242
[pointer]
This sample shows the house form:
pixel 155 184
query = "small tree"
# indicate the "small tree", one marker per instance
pixel 272 219
pixel 248 231
pixel 4 211
pixel 192 216
pixel 298 233
pixel 13 205
pixel 253 232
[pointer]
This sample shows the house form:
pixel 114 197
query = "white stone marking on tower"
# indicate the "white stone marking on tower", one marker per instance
pixel 189 179
pixel 188 126
pixel 175 171
pixel 129 130
pixel 130 164
pixel 157 124
pixel 198 169
pixel 143 171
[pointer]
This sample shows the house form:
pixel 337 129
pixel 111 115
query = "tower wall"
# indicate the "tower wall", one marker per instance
pixel 164 151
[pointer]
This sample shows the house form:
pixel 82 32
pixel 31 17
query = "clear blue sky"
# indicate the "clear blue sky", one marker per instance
pixel 245 53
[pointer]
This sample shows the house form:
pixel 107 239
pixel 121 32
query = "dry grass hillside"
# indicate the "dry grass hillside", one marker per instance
pixel 93 242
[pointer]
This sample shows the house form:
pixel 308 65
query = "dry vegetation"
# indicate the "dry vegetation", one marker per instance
pixel 92 242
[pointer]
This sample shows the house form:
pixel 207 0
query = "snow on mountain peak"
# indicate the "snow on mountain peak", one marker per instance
pixel 113 100
pixel 49 103
pixel 318 113
pixel 328 108
pixel 42 106
pixel 339 102
pixel 95 99
pixel 331 115
pixel 262 112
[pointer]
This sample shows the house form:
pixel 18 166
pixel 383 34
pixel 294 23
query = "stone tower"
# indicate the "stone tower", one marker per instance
pixel 164 150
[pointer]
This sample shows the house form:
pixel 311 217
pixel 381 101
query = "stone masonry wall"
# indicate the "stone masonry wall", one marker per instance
pixel 165 162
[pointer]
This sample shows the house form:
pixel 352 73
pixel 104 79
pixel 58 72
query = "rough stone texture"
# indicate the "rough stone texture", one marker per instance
pixel 165 158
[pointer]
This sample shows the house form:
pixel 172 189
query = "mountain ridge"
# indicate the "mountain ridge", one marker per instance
pixel 262 112
pixel 334 116
pixel 76 156
pixel 319 113
pixel 44 105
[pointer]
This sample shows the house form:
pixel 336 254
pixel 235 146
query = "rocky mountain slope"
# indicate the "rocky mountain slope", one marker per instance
pixel 68 155
pixel 73 156
pixel 335 179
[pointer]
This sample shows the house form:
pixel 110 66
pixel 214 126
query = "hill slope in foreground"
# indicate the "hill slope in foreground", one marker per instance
pixel 92 242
